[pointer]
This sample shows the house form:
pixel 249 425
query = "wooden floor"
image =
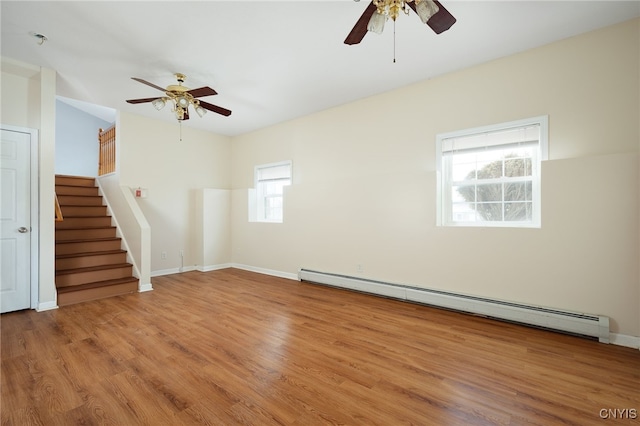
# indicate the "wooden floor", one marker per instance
pixel 233 347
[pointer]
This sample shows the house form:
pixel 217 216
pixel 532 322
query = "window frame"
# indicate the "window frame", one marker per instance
pixel 445 175
pixel 259 208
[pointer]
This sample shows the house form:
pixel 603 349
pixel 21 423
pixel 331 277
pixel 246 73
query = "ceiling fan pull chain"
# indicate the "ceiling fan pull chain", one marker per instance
pixel 394 41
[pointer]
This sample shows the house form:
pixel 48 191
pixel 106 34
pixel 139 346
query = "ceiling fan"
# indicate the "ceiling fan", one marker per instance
pixel 182 97
pixel 431 12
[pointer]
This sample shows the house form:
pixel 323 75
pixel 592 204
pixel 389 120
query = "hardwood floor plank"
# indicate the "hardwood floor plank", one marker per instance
pixel 233 347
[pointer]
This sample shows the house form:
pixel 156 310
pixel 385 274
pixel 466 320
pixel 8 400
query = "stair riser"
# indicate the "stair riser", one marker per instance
pixel 84 234
pixel 79 200
pixel 75 181
pixel 77 190
pixel 96 293
pixel 87 247
pixel 88 261
pixel 84 211
pixel 84 222
pixel 80 278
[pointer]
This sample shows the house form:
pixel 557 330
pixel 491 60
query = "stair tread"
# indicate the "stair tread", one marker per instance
pixel 92 253
pixel 88 240
pixel 82 217
pixel 93 268
pixel 63 204
pixel 62 185
pixel 84 228
pixel 74 176
pixel 97 284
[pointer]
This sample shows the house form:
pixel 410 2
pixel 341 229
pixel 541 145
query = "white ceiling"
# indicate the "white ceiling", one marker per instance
pixel 271 61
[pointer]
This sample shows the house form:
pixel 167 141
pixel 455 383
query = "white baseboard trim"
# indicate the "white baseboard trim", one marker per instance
pixel 264 271
pixel 144 287
pixel 624 340
pixel 161 272
pixel 210 268
pixel 47 306
pixel 172 271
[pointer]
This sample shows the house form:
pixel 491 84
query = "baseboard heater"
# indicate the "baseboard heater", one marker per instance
pixel 568 322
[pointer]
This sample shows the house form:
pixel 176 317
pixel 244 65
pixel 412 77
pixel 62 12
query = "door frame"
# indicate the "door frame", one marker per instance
pixel 34 189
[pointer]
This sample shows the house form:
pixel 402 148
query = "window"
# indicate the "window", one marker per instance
pixel 490 176
pixel 269 193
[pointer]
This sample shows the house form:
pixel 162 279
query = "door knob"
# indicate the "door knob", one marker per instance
pixel 23 230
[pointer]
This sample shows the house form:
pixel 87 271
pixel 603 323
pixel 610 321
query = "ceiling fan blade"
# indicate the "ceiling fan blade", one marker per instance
pixel 141 101
pixel 441 21
pixel 139 80
pixel 360 28
pixel 215 108
pixel 202 91
pixel 186 115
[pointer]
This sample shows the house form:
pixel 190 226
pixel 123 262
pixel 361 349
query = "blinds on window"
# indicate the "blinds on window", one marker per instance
pixel 505 138
pixel 275 172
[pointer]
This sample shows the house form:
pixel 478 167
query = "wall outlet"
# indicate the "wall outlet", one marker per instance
pixel 359 268
pixel 163 255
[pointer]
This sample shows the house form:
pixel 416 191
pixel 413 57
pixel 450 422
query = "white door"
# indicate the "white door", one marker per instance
pixel 15 220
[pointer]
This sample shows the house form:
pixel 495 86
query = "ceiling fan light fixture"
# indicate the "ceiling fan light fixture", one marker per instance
pixel 200 111
pixel 426 9
pixel 376 23
pixel 158 103
pixel 183 102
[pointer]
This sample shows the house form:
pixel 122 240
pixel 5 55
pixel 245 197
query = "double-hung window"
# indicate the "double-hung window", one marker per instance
pixel 490 176
pixel 270 182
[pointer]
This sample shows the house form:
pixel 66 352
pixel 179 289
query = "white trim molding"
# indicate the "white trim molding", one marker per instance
pixel 210 268
pixel 47 306
pixel 624 340
pixel 142 288
pixel 280 274
pixel 161 272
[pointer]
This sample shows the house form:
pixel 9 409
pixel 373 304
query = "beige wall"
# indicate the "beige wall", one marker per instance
pixel 364 189
pixel 152 156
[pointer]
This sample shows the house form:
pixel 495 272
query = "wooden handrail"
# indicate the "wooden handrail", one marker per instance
pixel 59 217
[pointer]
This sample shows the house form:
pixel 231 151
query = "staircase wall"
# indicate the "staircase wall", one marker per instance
pixel 132 224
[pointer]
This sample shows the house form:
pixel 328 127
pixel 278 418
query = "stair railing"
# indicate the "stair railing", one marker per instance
pixel 107 153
